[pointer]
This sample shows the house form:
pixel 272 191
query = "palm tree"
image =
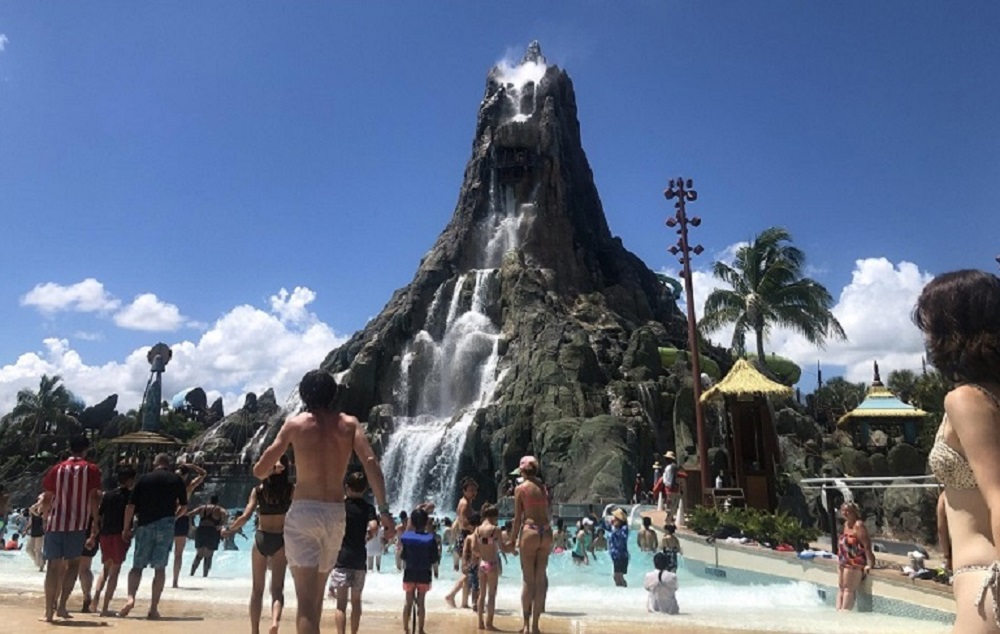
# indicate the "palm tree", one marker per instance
pixel 45 407
pixel 768 289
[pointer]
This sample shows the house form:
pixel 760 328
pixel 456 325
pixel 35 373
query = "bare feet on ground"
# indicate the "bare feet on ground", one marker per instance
pixel 126 608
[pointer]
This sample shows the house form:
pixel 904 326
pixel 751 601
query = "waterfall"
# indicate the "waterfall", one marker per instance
pixel 440 386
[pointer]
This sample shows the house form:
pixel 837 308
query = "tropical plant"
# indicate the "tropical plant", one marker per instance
pixel 762 526
pixel 784 370
pixel 670 356
pixel 767 289
pixel 45 409
pixel 835 398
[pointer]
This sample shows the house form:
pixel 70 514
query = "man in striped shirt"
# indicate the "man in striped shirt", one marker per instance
pixel 72 494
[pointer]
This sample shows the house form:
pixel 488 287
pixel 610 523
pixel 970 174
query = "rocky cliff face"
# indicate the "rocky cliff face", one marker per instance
pixel 527 325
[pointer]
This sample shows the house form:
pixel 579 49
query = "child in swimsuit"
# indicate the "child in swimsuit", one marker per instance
pixel 470 562
pixel 419 554
pixel 487 543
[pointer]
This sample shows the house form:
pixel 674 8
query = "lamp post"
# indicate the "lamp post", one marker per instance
pixel 682 191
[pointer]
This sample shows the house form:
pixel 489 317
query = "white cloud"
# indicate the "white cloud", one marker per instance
pixel 291 308
pixel 247 349
pixel 87 296
pixel 88 336
pixel 874 309
pixel 148 313
pixel 3 42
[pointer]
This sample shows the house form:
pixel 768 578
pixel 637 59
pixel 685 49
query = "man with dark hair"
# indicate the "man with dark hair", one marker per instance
pixel 111 525
pixel 349 573
pixel 322 440
pixel 156 499
pixel 463 528
pixel 71 495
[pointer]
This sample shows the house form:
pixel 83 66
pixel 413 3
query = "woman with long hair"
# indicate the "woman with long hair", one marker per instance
pixel 271 499
pixel 855 557
pixel 182 525
pixel 959 314
pixel 532 532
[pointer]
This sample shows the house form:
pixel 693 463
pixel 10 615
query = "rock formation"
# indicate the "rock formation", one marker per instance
pixel 528 327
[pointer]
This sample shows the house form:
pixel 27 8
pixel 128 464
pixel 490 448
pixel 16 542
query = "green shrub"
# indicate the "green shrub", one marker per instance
pixel 761 526
pixel 670 356
pixel 785 370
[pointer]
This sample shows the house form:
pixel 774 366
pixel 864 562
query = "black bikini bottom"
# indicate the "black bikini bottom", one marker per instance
pixel 269 543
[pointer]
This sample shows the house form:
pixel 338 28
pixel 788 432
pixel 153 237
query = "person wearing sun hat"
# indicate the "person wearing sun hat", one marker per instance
pixel 618 544
pixel 671 486
pixel 532 533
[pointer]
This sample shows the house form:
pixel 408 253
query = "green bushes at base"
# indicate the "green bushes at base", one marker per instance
pixel 764 527
pixel 670 356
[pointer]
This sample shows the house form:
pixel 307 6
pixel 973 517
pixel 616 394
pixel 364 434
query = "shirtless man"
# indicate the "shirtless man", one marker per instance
pixel 322 440
pixel 462 528
pixel 646 538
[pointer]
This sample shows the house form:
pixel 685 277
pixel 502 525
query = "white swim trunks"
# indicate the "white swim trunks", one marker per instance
pixel 313 534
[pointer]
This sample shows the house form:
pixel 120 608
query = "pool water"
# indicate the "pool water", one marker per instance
pixel 582 592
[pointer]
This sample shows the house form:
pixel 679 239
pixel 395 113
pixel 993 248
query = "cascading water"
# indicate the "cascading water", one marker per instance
pixel 448 371
pixel 440 386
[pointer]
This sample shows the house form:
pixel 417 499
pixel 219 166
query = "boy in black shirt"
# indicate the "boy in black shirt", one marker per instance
pixel 352 562
pixel 419 554
pixel 110 525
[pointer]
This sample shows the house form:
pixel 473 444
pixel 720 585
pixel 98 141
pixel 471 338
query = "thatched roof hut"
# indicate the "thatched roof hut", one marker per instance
pixel 744 382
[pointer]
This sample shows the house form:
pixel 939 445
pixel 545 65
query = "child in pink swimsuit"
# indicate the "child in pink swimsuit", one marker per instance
pixel 488 540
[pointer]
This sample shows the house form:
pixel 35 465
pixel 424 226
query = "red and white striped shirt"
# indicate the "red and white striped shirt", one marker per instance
pixel 71 482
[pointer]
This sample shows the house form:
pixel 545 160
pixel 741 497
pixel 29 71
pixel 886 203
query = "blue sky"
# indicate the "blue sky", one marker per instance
pixel 249 182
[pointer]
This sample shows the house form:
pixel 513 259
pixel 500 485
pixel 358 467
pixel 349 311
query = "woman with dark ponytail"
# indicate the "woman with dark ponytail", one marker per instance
pixel 662 585
pixel 271 499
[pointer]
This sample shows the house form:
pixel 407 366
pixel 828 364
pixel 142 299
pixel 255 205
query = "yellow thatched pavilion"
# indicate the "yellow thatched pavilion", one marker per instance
pixel 882 411
pixel 752 447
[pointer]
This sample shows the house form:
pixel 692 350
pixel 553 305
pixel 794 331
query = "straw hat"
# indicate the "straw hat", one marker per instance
pixel 657 465
pixel 619 515
pixel 670 456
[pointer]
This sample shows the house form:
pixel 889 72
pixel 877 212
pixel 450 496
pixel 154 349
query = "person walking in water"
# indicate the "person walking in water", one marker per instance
pixel 211 519
pixel 348 576
pixel 156 499
pixel 462 529
pixel 71 497
pixel 618 545
pixel 532 533
pixel 271 500
pixel 322 440
pixel 419 553
pixel 182 525
pixel 487 544
pixel 111 524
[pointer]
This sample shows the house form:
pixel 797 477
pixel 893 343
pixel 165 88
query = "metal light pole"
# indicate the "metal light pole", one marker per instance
pixel 683 192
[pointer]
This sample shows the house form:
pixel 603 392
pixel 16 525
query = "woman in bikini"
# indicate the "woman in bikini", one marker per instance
pixel 182 526
pixel 211 519
pixel 271 499
pixel 959 314
pixel 854 556
pixel 532 533
pixel 487 545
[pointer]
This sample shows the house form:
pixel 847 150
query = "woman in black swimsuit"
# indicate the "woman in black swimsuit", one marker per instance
pixel 212 518
pixel 183 524
pixel 271 500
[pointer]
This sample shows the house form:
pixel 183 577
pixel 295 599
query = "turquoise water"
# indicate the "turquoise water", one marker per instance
pixel 577 592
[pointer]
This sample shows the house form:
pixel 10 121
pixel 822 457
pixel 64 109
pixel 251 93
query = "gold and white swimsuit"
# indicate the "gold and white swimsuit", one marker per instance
pixel 954 472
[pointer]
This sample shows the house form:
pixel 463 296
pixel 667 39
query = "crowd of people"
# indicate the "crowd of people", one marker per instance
pixel 322 527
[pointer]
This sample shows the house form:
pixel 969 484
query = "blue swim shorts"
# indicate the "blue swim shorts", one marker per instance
pixel 152 543
pixel 63 545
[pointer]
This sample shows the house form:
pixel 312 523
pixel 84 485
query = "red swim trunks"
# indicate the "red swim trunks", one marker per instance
pixel 113 549
pixel 409 586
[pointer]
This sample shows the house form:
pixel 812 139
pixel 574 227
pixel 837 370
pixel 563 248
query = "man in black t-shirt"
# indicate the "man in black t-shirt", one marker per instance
pixel 352 562
pixel 111 525
pixel 157 498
